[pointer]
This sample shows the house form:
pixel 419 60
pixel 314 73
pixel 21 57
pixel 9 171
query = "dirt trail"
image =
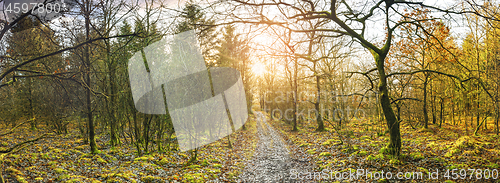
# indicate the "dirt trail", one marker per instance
pixel 271 161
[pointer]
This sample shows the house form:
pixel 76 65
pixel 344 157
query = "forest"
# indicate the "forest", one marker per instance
pixel 284 91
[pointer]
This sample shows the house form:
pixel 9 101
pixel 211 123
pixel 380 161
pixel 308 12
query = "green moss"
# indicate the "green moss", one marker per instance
pixel 194 166
pixel 451 152
pixel 384 150
pixel 439 159
pixel 382 180
pixel 362 153
pixel 162 161
pixel 321 167
pixel 457 166
pixel 60 170
pixel 13 171
pixel 215 171
pixel 417 155
pixel 62 177
pixel 21 179
pixel 464 142
pixel 355 147
pixel 304 145
pixel 204 163
pixel 144 158
pixel 200 177
pixel 45 156
pixel 379 156
pixel 100 160
pixel 329 142
pixel 493 165
pixel 394 161
pixel 84 160
pixel 217 165
pixel 311 151
pixel 370 158
pixel 325 154
pixel 15 156
pixel 432 145
pixel 183 155
pixel 150 179
pixel 112 158
pixel 56 150
pixel 52 163
pixel 421 169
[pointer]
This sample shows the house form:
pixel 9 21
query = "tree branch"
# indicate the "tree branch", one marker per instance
pixel 12 69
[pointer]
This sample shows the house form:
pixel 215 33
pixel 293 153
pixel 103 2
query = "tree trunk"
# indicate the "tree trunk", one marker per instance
pixel 434 116
pixel 138 138
pixel 319 118
pixel 30 99
pixel 391 121
pixel 93 146
pixel 453 113
pixel 497 116
pixel 114 140
pixel 295 92
pixel 441 112
pixel 146 126
pixel 477 112
pixel 426 115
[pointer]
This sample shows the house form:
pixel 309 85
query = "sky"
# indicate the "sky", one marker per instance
pixel 376 28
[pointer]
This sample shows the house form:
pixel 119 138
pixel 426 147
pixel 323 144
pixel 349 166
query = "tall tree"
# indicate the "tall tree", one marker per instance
pixel 193 18
pixel 351 19
pixel 234 52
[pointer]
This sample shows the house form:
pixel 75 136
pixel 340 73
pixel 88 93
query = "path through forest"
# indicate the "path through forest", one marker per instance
pixel 272 160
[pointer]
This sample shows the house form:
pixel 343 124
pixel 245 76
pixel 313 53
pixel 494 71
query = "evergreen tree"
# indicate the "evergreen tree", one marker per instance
pixel 193 18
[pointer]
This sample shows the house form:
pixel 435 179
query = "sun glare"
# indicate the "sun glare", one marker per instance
pixel 258 69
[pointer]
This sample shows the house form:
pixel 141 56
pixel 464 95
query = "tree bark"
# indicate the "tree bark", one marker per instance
pixel 93 146
pixel 441 112
pixel 295 92
pixel 426 115
pixel 391 121
pixel 319 118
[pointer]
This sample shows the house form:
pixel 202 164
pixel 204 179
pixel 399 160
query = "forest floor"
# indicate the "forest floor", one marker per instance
pixel 267 151
pixel 436 154
pixel 272 161
pixel 65 158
